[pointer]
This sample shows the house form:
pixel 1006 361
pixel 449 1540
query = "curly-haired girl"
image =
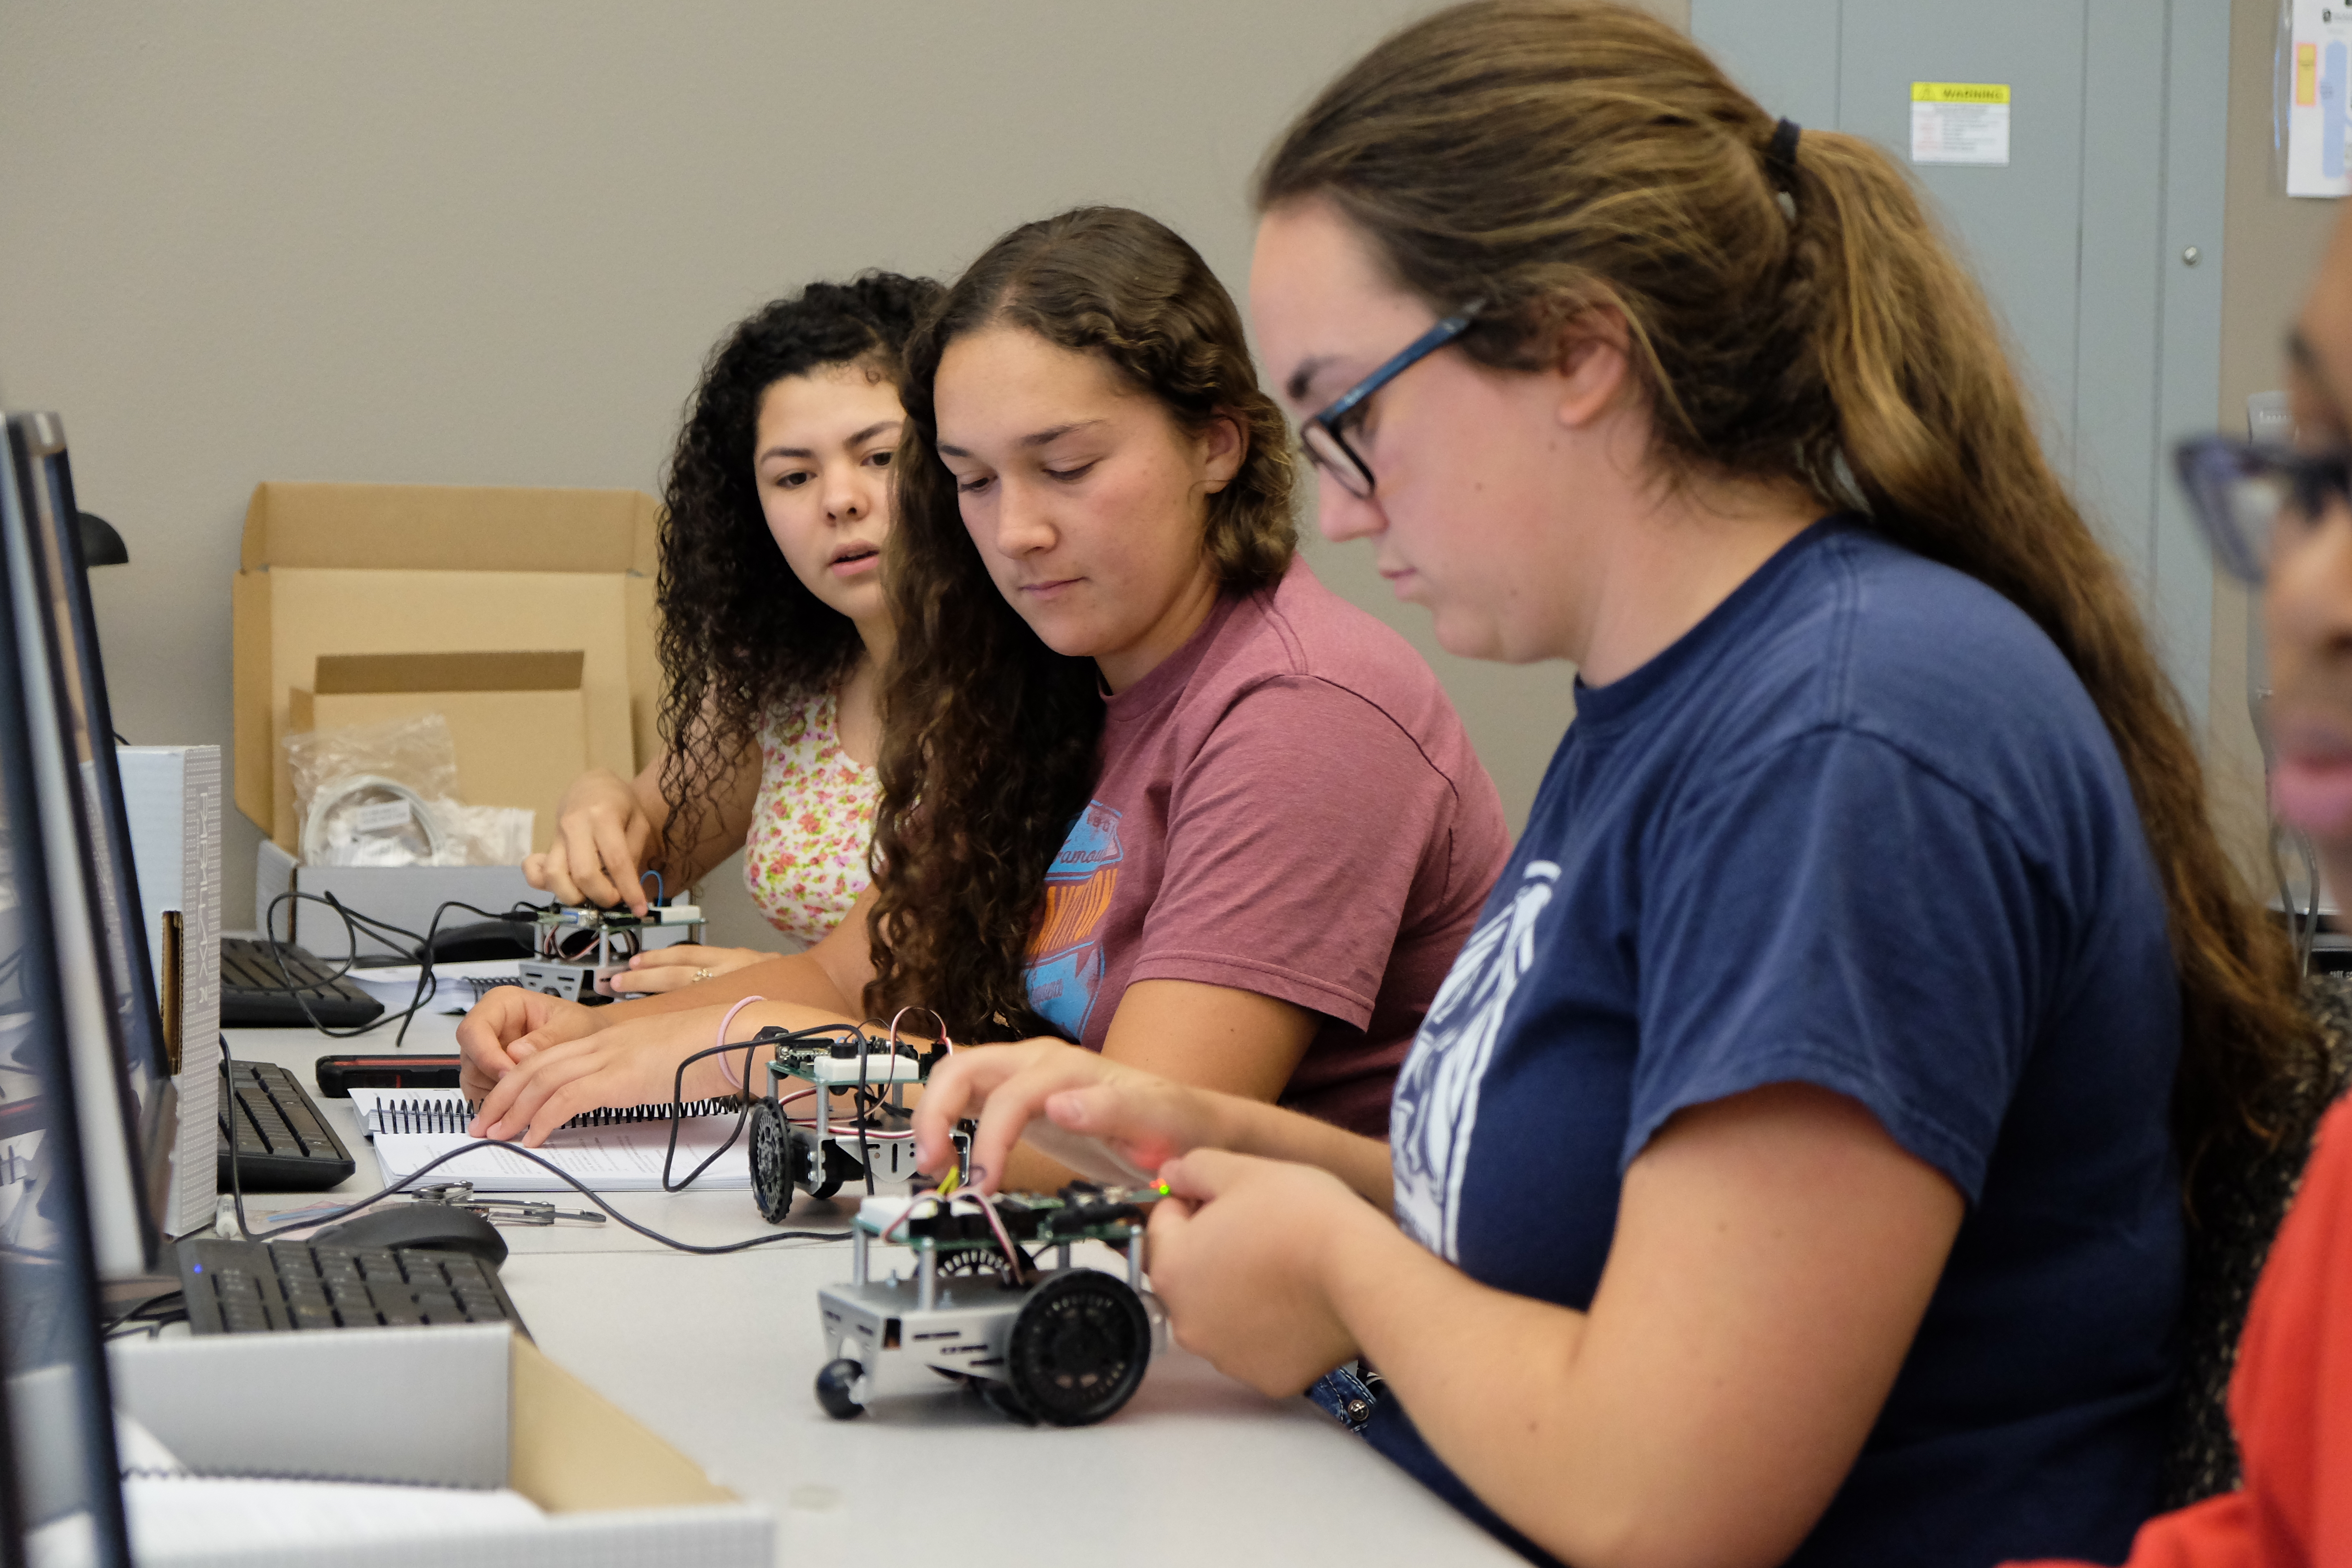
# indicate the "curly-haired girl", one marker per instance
pixel 774 630
pixel 1147 785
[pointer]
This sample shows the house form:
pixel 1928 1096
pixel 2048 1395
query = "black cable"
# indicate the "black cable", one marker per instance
pixel 236 1190
pixel 866 1149
pixel 428 985
pixel 136 1310
pixel 770 1037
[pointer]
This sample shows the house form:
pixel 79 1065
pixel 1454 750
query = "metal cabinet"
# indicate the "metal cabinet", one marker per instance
pixel 2100 242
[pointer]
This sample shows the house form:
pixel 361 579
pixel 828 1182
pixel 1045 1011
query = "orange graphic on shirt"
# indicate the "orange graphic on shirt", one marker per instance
pixel 1073 909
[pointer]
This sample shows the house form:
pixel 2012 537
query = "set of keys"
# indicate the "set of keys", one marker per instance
pixel 501 1211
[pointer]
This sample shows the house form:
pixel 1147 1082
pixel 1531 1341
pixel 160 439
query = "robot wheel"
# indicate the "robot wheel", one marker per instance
pixel 1079 1348
pixel 772 1180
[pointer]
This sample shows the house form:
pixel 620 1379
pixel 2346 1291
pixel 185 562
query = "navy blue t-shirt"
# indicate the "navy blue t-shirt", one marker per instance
pixel 1861 827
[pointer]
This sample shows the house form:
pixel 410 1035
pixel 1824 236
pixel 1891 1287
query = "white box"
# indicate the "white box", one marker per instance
pixel 471 1407
pixel 399 895
pixel 171 797
pixel 402 895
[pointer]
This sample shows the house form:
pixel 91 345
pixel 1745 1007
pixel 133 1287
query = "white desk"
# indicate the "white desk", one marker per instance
pixel 718 1355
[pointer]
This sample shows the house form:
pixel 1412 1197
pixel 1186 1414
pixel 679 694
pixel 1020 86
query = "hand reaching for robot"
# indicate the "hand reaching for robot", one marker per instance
pixel 630 1061
pixel 508 1026
pixel 1105 1122
pixel 1238 1253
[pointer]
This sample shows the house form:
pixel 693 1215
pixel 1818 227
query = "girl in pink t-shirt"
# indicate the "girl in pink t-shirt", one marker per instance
pixel 1147 785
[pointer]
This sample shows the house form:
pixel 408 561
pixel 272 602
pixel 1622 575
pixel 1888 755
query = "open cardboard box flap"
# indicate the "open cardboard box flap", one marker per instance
pixel 450 528
pixel 417 572
pixel 469 1407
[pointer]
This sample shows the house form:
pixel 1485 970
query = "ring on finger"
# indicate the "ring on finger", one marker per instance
pixel 702 974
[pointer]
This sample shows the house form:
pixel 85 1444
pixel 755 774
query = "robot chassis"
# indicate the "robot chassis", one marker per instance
pixel 876 1140
pixel 566 967
pixel 1067 1346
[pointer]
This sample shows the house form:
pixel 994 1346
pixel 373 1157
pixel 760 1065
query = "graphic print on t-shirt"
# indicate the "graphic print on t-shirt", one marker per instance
pixel 1066 965
pixel 1436 1105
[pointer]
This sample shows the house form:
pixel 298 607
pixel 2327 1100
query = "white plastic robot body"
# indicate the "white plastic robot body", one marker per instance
pixel 1067 1346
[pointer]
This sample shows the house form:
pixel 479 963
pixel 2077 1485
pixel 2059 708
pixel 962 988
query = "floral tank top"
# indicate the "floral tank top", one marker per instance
pixel 804 861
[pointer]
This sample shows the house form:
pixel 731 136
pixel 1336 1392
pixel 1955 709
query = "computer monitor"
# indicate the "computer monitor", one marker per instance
pixel 57 1465
pixel 125 1099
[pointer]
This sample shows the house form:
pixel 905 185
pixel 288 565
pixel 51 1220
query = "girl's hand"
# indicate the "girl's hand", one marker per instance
pixel 1237 1254
pixel 508 1026
pixel 601 837
pixel 677 967
pixel 631 1061
pixel 1109 1122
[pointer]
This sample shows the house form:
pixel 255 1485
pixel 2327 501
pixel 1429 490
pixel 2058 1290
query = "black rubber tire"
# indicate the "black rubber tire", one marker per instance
pixel 1079 1348
pixel 772 1178
pixel 836 1389
pixel 1003 1401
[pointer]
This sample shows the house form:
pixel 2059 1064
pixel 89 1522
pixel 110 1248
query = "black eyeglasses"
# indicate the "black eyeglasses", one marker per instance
pixel 1320 434
pixel 2248 498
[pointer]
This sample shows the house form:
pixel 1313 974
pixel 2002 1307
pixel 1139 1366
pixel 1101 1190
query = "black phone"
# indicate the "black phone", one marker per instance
pixel 338 1076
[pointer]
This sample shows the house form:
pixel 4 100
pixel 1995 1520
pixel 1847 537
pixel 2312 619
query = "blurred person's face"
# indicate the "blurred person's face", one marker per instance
pixel 2307 591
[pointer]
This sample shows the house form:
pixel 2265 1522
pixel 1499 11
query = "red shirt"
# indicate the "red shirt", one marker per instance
pixel 2290 1399
pixel 1288 805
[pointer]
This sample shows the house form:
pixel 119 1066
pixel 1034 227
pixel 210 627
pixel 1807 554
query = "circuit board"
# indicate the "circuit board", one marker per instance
pixel 837 1064
pixel 1081 1212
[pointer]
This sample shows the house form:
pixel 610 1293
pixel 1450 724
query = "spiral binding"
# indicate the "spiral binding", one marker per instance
pixel 456 1115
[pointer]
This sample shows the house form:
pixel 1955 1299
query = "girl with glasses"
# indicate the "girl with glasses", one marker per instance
pixel 1791 1167
pixel 1147 785
pixel 2279 516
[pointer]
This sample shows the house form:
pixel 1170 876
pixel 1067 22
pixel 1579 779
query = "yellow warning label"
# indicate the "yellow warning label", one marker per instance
pixel 1959 93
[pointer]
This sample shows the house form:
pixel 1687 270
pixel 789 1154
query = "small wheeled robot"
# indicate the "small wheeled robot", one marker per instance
pixel 819 1152
pixel 581 949
pixel 1067 1346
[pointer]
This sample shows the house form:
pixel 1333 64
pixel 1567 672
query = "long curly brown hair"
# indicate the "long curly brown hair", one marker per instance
pixel 1794 317
pixel 994 735
pixel 740 635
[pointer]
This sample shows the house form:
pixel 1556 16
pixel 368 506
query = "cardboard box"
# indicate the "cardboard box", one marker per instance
pixel 338 570
pixel 464 1407
pixel 519 722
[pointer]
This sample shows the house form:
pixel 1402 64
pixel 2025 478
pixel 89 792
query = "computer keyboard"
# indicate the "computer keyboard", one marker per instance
pixel 253 988
pixel 283 1142
pixel 253 1287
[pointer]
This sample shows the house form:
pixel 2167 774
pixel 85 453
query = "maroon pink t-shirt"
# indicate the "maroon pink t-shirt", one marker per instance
pixel 1287 805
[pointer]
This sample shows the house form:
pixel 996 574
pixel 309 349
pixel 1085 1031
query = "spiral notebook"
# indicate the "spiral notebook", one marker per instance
pixel 618 1150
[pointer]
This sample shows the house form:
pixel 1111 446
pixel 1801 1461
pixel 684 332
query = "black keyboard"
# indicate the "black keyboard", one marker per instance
pixel 253 988
pixel 283 1144
pixel 254 1287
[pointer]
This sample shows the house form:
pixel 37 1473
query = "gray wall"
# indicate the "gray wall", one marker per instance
pixel 489 244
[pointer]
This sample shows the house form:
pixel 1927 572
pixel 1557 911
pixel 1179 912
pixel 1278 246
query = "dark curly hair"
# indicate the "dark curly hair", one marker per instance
pixel 740 633
pixel 995 734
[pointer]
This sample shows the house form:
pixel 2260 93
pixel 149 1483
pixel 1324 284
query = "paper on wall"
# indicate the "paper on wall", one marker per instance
pixel 2319 68
pixel 1959 122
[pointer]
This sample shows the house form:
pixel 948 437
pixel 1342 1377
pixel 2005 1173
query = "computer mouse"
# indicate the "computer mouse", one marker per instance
pixel 437 1227
pixel 483 938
